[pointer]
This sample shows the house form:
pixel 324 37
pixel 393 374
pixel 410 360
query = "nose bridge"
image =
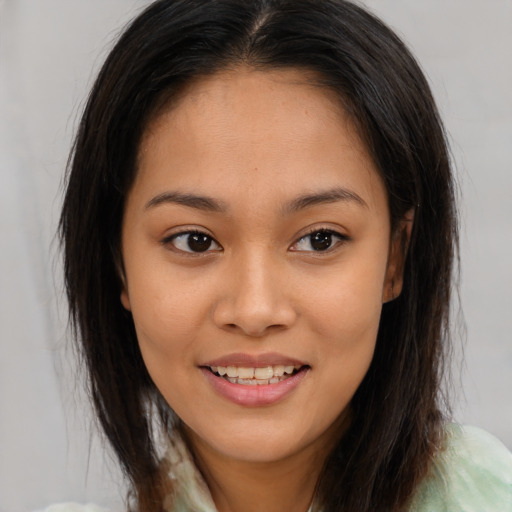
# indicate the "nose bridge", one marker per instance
pixel 257 275
pixel 255 300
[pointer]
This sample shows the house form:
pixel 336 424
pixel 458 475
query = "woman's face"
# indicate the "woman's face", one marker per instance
pixel 257 256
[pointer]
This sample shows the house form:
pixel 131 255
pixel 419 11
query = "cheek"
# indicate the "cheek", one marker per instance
pixel 345 316
pixel 346 306
pixel 347 333
pixel 168 311
pixel 347 339
pixel 167 323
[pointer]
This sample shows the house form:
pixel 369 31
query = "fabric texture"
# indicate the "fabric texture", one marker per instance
pixel 472 474
pixel 73 507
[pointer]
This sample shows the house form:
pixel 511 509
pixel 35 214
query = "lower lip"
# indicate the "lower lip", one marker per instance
pixel 258 395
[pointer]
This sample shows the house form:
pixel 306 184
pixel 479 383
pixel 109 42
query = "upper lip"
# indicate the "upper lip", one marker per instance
pixel 254 361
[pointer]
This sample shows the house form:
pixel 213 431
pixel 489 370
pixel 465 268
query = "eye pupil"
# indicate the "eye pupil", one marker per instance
pixel 321 240
pixel 198 242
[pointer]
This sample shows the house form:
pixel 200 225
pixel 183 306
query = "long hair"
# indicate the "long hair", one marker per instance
pixel 397 415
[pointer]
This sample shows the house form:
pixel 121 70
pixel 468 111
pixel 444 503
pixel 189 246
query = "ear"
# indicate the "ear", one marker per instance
pixel 125 299
pixel 398 247
pixel 118 261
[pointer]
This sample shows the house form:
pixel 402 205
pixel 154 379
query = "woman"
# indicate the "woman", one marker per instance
pixel 263 298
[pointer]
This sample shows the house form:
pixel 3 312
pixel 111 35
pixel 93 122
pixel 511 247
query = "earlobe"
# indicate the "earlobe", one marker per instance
pixel 397 255
pixel 125 299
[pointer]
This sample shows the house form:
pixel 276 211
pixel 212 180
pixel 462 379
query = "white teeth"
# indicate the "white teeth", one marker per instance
pixel 278 371
pixel 255 376
pixel 253 382
pixel 264 373
pixel 247 373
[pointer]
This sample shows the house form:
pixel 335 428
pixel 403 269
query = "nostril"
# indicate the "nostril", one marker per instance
pixel 253 318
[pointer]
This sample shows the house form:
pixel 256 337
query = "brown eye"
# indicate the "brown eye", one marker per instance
pixel 199 243
pixel 193 242
pixel 319 241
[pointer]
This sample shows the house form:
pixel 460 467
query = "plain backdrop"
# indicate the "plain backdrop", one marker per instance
pixel 49 52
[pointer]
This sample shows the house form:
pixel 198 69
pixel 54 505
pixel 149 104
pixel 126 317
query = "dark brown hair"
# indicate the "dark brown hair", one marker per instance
pixel 397 422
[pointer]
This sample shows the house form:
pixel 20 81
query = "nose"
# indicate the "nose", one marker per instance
pixel 255 298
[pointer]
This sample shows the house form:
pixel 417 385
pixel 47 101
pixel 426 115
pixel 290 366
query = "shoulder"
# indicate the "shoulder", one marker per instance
pixel 73 507
pixel 472 474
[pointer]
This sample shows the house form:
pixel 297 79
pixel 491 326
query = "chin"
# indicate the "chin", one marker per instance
pixel 262 451
pixel 264 443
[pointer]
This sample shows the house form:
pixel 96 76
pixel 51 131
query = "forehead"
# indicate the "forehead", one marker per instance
pixel 254 128
pixel 279 99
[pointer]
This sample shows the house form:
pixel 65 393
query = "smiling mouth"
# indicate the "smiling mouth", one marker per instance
pixel 255 376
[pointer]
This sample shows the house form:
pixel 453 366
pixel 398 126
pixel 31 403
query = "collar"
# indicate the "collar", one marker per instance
pixel 189 490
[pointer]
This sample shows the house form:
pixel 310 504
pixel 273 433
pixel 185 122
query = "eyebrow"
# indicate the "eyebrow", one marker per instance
pixel 204 203
pixel 209 204
pixel 328 196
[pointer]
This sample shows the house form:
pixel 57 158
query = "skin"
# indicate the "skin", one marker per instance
pixel 254 142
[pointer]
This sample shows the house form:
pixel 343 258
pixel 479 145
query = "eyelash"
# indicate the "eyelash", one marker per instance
pixel 329 233
pixel 342 239
pixel 189 233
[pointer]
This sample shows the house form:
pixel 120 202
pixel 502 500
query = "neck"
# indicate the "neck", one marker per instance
pixel 275 486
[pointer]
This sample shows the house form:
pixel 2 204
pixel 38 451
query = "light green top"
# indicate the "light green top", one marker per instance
pixel 473 474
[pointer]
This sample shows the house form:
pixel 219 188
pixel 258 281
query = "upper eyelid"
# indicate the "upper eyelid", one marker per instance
pixel 191 231
pixel 325 229
pixel 312 231
pixel 315 229
pixel 185 230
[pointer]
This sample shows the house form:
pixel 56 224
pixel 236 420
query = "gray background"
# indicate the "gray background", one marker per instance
pixel 49 50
